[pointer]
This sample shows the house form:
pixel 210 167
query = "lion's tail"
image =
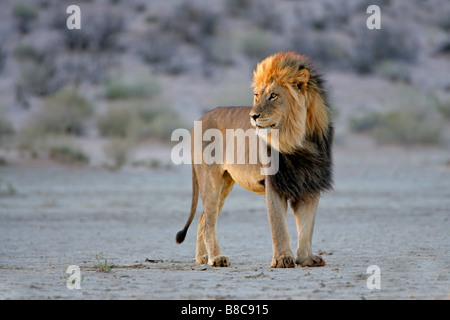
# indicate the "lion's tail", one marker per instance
pixel 182 234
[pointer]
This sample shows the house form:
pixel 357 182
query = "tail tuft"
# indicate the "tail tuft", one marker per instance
pixel 181 235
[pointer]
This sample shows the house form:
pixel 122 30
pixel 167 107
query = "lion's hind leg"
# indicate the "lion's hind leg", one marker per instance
pixel 213 190
pixel 201 256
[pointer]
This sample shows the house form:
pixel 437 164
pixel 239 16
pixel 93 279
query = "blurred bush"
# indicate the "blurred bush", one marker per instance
pixel 118 150
pixel 394 71
pixel 328 50
pixel 404 127
pixel 414 120
pixel 192 37
pixel 191 22
pixel 38 72
pixel 138 119
pixel 263 14
pixel 65 112
pixel 162 53
pixel 67 154
pixel 3 54
pixel 395 41
pixel 55 146
pixel 25 14
pixel 100 32
pixel 118 120
pixel 6 127
pixel 257 44
pixel 444 107
pixel 118 89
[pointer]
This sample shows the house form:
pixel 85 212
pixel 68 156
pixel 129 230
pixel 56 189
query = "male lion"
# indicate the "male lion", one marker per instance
pixel 289 96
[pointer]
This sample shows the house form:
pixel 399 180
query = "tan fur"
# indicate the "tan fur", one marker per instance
pixel 298 111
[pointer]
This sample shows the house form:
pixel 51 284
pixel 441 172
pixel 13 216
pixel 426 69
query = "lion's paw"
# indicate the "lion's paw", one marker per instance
pixel 311 261
pixel 201 259
pixel 219 261
pixel 283 262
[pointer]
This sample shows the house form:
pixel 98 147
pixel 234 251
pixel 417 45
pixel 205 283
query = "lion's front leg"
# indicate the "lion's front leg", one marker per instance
pixel 305 214
pixel 276 211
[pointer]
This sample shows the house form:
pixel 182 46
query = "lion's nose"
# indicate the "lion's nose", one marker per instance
pixel 254 116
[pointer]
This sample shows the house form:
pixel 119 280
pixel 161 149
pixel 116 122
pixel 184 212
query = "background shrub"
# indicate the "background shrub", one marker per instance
pixel 38 72
pixel 118 150
pixel 25 15
pixel 118 89
pixel 6 127
pixel 63 113
pixel 408 128
pixel 395 41
pixel 414 119
pixel 67 155
pixel 138 119
pixel 100 32
pixel 191 22
pixel 3 54
pixel 257 44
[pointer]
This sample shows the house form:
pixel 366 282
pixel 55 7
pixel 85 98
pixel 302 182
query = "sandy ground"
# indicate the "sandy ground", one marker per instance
pixel 390 208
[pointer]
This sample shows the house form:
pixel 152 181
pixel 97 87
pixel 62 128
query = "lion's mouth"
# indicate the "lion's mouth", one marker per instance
pixel 261 125
pixel 266 127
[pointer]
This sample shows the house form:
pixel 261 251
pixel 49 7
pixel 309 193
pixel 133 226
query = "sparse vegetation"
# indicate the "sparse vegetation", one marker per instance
pixel 393 71
pixel 395 41
pixel 367 122
pixel 118 89
pixel 415 120
pixel 24 51
pixel 98 36
pixel 408 128
pixel 65 112
pixel 25 15
pixel 7 188
pixel 191 22
pixel 3 55
pixel 399 127
pixel 101 263
pixel 118 150
pixel 444 107
pixel 257 44
pixel 38 72
pixel 6 127
pixel 118 120
pixel 67 155
pixel 138 119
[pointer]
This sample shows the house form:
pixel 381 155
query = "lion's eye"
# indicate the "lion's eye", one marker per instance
pixel 273 96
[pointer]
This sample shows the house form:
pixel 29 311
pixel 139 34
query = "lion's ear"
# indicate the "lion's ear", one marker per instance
pixel 302 79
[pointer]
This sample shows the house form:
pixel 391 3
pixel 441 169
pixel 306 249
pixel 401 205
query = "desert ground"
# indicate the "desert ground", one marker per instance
pixel 389 208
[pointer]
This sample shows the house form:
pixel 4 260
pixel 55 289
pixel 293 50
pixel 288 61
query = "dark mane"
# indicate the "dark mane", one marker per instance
pixel 305 173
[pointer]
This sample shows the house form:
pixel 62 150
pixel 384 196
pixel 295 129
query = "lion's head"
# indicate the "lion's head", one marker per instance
pixel 289 97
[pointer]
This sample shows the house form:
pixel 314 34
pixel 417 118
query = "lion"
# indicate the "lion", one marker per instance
pixel 289 96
